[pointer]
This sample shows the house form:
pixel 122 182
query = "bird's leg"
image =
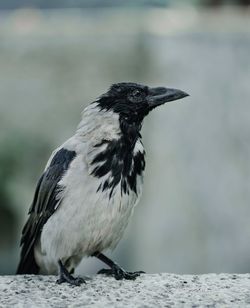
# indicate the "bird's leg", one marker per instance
pixel 65 276
pixel 115 270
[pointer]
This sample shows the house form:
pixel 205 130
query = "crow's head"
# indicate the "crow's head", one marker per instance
pixel 134 101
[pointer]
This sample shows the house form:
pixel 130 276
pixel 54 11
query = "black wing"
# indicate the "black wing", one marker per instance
pixel 43 206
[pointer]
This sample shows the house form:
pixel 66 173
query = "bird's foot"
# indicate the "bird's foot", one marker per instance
pixel 75 281
pixel 118 273
pixel 65 276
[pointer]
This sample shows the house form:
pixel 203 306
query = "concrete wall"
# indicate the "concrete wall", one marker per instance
pixel 158 290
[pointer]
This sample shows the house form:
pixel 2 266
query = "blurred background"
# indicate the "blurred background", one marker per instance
pixel 57 56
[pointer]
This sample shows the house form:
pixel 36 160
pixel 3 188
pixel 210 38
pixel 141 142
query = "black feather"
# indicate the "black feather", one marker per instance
pixel 43 206
pixel 119 160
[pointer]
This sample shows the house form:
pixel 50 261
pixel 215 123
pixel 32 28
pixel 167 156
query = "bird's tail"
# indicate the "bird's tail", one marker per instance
pixel 27 263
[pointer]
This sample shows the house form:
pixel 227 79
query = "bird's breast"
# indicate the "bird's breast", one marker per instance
pixel 117 162
pixel 100 193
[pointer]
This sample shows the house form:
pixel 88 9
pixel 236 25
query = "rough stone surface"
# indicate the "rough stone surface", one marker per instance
pixel 158 290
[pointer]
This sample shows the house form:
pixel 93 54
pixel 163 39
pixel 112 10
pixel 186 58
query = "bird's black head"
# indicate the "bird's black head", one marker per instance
pixel 134 101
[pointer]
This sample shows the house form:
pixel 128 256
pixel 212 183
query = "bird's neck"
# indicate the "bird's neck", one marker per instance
pixel 98 124
pixel 130 131
pixel 118 163
pixel 116 154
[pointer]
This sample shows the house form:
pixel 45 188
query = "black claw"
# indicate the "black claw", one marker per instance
pixel 60 280
pixel 119 274
pixel 115 270
pixel 105 271
pixel 71 280
pixel 65 276
pixel 138 273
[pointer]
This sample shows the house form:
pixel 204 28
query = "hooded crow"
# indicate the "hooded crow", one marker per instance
pixel 90 186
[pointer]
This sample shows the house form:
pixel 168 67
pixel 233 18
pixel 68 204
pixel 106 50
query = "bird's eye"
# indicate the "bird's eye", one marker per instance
pixel 136 93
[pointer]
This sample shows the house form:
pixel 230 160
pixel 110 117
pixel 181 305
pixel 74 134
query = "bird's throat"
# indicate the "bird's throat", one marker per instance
pixel 121 162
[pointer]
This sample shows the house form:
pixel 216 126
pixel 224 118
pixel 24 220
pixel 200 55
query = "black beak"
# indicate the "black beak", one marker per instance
pixel 161 95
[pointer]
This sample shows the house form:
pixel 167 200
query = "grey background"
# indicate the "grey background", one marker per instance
pixel 194 214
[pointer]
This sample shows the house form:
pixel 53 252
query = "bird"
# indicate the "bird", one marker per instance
pixel 91 185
